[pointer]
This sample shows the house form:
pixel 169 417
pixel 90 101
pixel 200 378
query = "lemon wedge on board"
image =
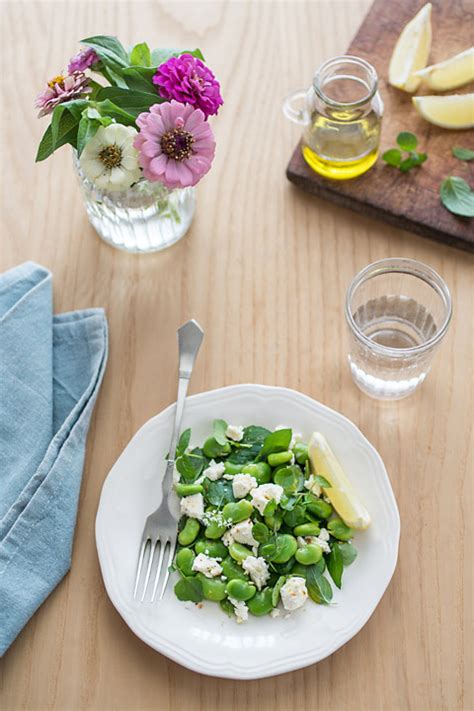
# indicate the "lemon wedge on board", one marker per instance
pixel 451 73
pixel 411 51
pixel 453 111
pixel 342 494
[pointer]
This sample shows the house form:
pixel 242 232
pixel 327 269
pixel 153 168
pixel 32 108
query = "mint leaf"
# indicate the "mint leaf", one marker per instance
pixel 348 552
pixel 407 141
pixel 335 564
pixel 323 482
pixel 219 431
pixel 253 434
pixel 319 588
pixel 189 588
pixel 407 164
pixel 134 102
pixel 463 153
pixel 141 55
pixel 392 157
pixel 277 441
pixel 183 443
pixel 191 465
pixel 218 492
pixel 457 196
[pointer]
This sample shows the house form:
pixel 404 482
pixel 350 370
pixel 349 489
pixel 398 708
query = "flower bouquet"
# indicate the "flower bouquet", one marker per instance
pixel 141 142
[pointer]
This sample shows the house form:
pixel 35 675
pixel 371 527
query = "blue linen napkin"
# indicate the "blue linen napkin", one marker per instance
pixel 51 367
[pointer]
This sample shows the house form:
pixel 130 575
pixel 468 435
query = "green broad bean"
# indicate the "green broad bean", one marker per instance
pixel 301 453
pixel 261 471
pixel 261 603
pixel 232 468
pixel 309 555
pixel 240 590
pixel 212 588
pixel 339 530
pixel 285 548
pixel 307 529
pixel 188 489
pixel 189 533
pixel 232 570
pixel 213 449
pixel 184 561
pixel 227 607
pixel 238 511
pixel 320 508
pixel 276 590
pixel 213 530
pixel 278 458
pixel 215 549
pixel 239 552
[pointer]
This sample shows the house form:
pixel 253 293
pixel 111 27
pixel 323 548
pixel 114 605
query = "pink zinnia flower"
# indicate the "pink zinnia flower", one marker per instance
pixel 60 89
pixel 188 80
pixel 175 144
pixel 83 60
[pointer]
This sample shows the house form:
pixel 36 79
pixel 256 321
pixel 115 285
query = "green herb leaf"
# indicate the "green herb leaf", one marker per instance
pixel 287 478
pixel 323 482
pixel 189 588
pixel 319 588
pixel 183 443
pixel 392 157
pixel 255 434
pixel 407 141
pixel 338 529
pixel 260 532
pixel 134 102
pixel 277 441
pixel 463 153
pixel 141 55
pixel 288 503
pixel 457 196
pixel 109 49
pixel 218 492
pixel 244 455
pixel 191 465
pixel 335 564
pixel 348 552
pixel 219 431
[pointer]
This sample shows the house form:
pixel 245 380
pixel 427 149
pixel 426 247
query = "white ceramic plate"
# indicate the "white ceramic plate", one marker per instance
pixel 205 639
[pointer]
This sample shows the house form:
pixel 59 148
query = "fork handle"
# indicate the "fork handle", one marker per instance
pixel 189 341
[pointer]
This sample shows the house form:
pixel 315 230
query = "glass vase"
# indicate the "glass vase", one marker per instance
pixel 147 217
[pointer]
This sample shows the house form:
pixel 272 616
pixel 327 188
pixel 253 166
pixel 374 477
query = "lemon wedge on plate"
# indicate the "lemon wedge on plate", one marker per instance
pixel 411 51
pixel 341 494
pixel 451 73
pixel 453 111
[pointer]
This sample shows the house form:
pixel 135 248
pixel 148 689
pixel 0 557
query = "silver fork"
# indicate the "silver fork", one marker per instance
pixel 161 527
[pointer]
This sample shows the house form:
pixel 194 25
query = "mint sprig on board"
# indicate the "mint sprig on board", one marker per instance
pixel 463 153
pixel 457 196
pixel 405 157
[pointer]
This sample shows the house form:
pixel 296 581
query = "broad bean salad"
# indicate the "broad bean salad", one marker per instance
pixel 256 528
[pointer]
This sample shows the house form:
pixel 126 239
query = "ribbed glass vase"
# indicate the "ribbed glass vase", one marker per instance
pixel 147 217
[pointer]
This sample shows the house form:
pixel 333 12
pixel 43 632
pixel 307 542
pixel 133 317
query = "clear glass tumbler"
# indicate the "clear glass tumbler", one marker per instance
pixel 398 311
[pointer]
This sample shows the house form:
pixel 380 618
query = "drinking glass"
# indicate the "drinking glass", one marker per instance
pixel 398 311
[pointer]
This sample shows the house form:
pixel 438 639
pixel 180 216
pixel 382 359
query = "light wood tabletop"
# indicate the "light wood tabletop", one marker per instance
pixel 264 269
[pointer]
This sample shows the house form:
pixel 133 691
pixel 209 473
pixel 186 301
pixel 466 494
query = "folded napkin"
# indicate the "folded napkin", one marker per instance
pixel 51 368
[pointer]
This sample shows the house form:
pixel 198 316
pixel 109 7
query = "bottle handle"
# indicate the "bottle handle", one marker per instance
pixel 295 115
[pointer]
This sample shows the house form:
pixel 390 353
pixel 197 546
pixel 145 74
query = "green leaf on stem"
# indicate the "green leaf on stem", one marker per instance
pixel 141 55
pixel 407 141
pixel 457 196
pixel 463 153
pixel 134 102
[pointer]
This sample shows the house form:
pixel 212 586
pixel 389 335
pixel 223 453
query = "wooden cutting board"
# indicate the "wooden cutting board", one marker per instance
pixel 409 201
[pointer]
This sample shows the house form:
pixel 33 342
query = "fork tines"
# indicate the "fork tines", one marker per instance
pixel 148 552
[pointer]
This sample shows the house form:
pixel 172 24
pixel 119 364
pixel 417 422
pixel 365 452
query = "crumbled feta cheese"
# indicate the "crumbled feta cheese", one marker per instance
pixel 322 540
pixel 234 432
pixel 265 493
pixel 228 538
pixel 303 541
pixel 228 476
pixel 242 533
pixel 242 484
pixel 294 593
pixel 275 612
pixel 257 568
pixel 209 566
pixel 324 534
pixel 255 550
pixel 241 610
pixel 214 471
pixel 192 506
pixel 312 485
pixel 295 439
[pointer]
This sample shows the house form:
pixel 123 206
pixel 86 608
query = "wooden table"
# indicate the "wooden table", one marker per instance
pixel 264 269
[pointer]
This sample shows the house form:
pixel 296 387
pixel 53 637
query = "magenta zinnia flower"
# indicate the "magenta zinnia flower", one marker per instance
pixel 188 80
pixel 175 144
pixel 61 89
pixel 83 60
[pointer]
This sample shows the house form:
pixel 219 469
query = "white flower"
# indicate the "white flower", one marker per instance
pixel 109 159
